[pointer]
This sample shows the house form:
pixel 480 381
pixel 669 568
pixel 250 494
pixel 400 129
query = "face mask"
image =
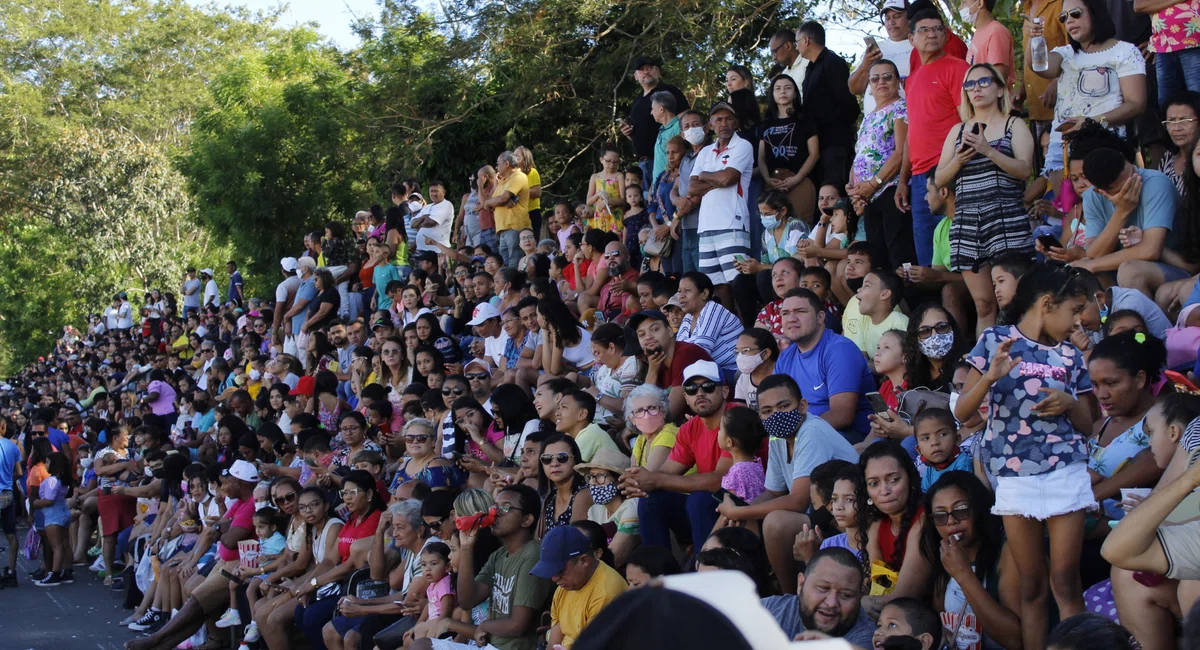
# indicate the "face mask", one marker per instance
pixel 938 345
pixel 964 12
pixel 259 505
pixel 159 473
pixel 855 283
pixel 747 363
pixel 255 375
pixel 783 424
pixel 603 494
pixel 85 462
pixel 769 221
pixel 694 135
pixel 414 207
pixel 148 472
pixel 954 401
pixel 651 423
pixel 230 502
pixel 212 491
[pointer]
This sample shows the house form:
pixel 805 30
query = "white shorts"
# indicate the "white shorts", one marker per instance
pixel 447 644
pixel 718 251
pixel 1043 496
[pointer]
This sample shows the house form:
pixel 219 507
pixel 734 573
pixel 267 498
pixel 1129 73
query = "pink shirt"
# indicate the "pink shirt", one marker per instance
pixel 434 593
pixel 1174 28
pixel 241 515
pixel 993 43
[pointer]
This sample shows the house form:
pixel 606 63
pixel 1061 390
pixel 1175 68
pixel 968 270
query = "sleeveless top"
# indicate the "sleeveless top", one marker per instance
pixel 564 517
pixel 989 213
pixel 319 542
pixel 295 536
pixel 887 541
pixel 471 211
pixel 965 629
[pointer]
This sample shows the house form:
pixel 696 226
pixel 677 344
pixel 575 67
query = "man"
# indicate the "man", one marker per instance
pixel 435 219
pixel 515 596
pixel 686 257
pixel 356 333
pixel 798 444
pixel 672 500
pixel 297 342
pixel 479 378
pixel 829 602
pixel 285 292
pixel 10 468
pixel 642 128
pixel 585 585
pixel 191 292
pixel 575 416
pixel 721 179
pixel 666 358
pixel 510 202
pixel 828 367
pixel 622 281
pixel 787 57
pixel 934 93
pixel 896 48
pixel 485 321
pixel 235 283
pixel 212 295
pixel 992 42
pixel 211 597
pixel 662 109
pixel 829 102
pixel 954 45
pixel 111 314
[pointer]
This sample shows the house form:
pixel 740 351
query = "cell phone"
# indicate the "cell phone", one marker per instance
pixel 1049 241
pixel 1179 379
pixel 871 42
pixel 740 259
pixel 977 128
pixel 1064 127
pixel 878 405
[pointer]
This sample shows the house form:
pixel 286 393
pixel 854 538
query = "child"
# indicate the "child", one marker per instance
pixel 937 441
pixel 909 617
pixel 635 219
pixel 270 547
pixel 380 414
pixel 374 463
pixel 818 280
pixel 843 505
pixel 741 435
pixel 1039 396
pixel 820 493
pixel 559 269
pixel 872 311
pixel 51 505
pixel 833 234
pixel 633 176
pixel 566 222
pixel 889 362
pixel 1006 272
pixel 674 313
pixel 435 566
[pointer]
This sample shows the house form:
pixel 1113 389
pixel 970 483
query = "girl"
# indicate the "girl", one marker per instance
pixel 566 222
pixel 271 544
pixel 635 220
pixel 889 362
pixel 51 506
pixel 406 312
pixel 606 193
pixel 649 562
pixel 741 435
pixel 435 566
pixel 1039 396
pixel 40 450
pixel 835 230
pixel 788 146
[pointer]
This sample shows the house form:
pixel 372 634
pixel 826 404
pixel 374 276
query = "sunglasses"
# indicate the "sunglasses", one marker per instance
pixel 982 82
pixel 887 76
pixel 419 438
pixel 285 498
pixel 456 391
pixel 562 457
pixel 477 376
pixel 612 255
pixel 708 387
pixel 928 331
pixel 961 513
pixel 1074 13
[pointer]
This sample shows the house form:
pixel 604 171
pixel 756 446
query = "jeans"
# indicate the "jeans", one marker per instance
pixel 888 231
pixel 647 167
pixel 510 247
pixel 487 237
pixel 924 221
pixel 690 240
pixel 313 618
pixel 1176 72
pixel 687 515
pixel 756 227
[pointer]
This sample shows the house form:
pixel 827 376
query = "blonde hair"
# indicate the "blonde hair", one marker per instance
pixel 526 157
pixel 966 110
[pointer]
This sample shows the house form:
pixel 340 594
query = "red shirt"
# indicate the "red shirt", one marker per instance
pixel 696 445
pixel 934 93
pixel 241 515
pixel 685 355
pixel 612 295
pixel 954 47
pixel 569 276
pixel 356 529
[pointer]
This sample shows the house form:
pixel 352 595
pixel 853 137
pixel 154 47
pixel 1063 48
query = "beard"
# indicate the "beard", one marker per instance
pixel 808 618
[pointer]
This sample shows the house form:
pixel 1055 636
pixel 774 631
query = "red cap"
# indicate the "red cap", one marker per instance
pixel 305 386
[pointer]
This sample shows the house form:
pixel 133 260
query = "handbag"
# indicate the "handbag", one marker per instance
pixel 915 400
pixel 33 545
pixel 656 248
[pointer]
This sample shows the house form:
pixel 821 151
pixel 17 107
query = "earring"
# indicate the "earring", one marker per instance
pixel 870 502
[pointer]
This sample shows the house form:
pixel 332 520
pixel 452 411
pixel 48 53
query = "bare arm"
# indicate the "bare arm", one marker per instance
pixel 1134 545
pixel 843 408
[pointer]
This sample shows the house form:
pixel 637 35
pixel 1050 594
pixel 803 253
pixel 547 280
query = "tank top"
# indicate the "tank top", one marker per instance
pixel 887 541
pixel 319 542
pixel 965 629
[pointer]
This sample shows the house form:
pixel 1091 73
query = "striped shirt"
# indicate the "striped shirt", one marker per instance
pixel 716 331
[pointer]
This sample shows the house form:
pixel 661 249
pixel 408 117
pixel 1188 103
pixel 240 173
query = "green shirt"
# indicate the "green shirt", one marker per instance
pixel 665 133
pixel 591 440
pixel 513 586
pixel 941 244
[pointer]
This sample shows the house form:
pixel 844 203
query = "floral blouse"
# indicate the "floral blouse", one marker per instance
pixel 786 246
pixel 877 140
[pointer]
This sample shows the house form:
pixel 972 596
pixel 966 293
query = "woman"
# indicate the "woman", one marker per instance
pixel 428 329
pixel 890 522
pixel 527 241
pixel 975 583
pixel 616 514
pixel 116 468
pixel 756 355
pixel 325 306
pixel 1099 77
pixel 516 417
pixel 525 162
pixel 876 167
pixel 707 323
pixel 739 82
pixel 646 411
pixel 592 249
pixel 566 347
pixel 410 308
pixel 616 373
pixel 321 354
pixel 988 159
pixel 395 235
pixel 606 193
pixel 788 146
pixel 660 208
pixel 1124 369
pixel 327 406
pixel 1183 125
pixel 484 440
pixel 468 215
pixel 351 438
pixel 1171 295
pixel 565 497
pixel 285 494
pixel 393 369
pixel 429 360
pixel 321 553
pixel 423 459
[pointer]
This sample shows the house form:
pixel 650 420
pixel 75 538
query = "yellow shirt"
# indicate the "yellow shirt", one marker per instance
pixel 186 352
pixel 665 438
pixel 571 611
pixel 513 217
pixel 859 327
pixel 534 179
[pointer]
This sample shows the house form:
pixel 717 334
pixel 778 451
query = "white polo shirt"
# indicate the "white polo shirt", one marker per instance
pixel 724 208
pixel 441 213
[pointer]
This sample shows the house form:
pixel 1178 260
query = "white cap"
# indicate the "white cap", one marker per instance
pixel 288 264
pixel 893 5
pixel 706 369
pixel 243 471
pixel 207 272
pixel 477 362
pixel 484 311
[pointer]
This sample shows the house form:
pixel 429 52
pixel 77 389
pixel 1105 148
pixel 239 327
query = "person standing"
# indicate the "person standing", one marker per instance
pixel 663 110
pixel 1176 45
pixel 720 179
pixel 826 98
pixel 787 56
pixel 896 48
pixel 992 42
pixel 934 93
pixel 235 284
pixel 788 146
pixel 687 208
pixel 525 162
pixel 510 201
pixel 191 292
pixel 212 295
pixel 10 468
pixel 1038 92
pixel 641 128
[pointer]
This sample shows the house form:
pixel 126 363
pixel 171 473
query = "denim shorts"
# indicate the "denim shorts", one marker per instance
pixel 58 514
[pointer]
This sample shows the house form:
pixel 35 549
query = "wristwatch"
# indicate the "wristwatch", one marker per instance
pixel 1103 121
pixel 878 181
pixel 313 582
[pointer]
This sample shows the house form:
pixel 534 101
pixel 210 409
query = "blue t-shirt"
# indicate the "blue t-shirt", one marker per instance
pixel 1020 442
pixel 1156 209
pixel 59 439
pixel 10 455
pixel 307 291
pixel 235 286
pixel 834 366
pixel 930 474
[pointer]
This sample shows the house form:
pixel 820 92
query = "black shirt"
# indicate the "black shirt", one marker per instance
pixel 333 298
pixel 786 141
pixel 645 129
pixel 828 100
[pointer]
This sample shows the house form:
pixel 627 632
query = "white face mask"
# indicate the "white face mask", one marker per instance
pixel 694 135
pixel 414 207
pixel 964 12
pixel 85 462
pixel 747 363
pixel 954 400
pixel 255 375
pixel 230 502
pixel 259 505
pixel 149 472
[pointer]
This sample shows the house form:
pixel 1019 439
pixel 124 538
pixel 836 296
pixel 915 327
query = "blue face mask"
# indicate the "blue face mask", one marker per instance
pixel 769 221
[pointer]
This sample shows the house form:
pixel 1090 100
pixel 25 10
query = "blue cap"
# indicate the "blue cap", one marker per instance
pixel 558 547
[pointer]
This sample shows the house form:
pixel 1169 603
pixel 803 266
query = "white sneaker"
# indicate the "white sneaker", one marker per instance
pixel 251 632
pixel 229 619
pixel 98 565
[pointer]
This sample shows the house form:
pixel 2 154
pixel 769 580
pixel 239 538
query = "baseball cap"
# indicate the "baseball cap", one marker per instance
pixel 893 5
pixel 721 106
pixel 288 264
pixel 242 471
pixel 484 312
pixel 207 272
pixel 645 60
pixel 380 322
pixel 706 369
pixel 476 362
pixel 558 547
pixel 424 256
pixel 305 386
pixel 449 351
pixel 674 302
pixel 642 316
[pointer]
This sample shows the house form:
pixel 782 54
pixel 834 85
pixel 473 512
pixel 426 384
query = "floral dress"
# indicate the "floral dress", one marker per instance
pixel 564 517
pixel 606 217
pixel 877 141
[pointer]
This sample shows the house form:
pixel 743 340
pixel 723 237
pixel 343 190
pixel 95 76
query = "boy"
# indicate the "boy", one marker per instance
pixel 391 297
pixel 908 617
pixel 937 441
pixel 373 463
pixel 873 311
pixel 817 280
pixel 1103 302
pixel 1006 273
pixel 674 313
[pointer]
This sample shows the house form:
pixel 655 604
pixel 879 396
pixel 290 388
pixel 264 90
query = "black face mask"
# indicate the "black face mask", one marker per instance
pixel 855 283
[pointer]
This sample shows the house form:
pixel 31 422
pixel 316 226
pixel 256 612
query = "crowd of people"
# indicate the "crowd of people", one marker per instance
pixel 915 375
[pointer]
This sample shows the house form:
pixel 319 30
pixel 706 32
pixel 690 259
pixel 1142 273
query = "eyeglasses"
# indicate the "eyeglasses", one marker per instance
pixel 391 351
pixel 285 498
pixel 779 47
pixel 708 387
pixel 308 507
pixel 886 76
pixel 1074 13
pixel 647 411
pixel 505 508
pixel 350 429
pixel 1178 122
pixel 982 82
pixel 613 255
pixel 459 390
pixel 931 29
pixel 349 494
pixel 941 328
pixel 477 376
pixel 602 478
pixel 960 513
pixel 419 438
pixel 562 457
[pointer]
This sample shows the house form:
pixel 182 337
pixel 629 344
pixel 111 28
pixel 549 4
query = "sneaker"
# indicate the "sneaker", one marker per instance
pixel 38 576
pixel 157 624
pixel 251 632
pixel 8 580
pixel 67 576
pixel 144 623
pixel 51 579
pixel 98 565
pixel 229 619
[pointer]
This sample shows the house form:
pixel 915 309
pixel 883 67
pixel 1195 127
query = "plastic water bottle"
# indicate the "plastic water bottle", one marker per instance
pixel 1039 55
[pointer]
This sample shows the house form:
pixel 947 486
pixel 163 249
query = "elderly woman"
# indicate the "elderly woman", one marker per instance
pixel 646 410
pixel 616 514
